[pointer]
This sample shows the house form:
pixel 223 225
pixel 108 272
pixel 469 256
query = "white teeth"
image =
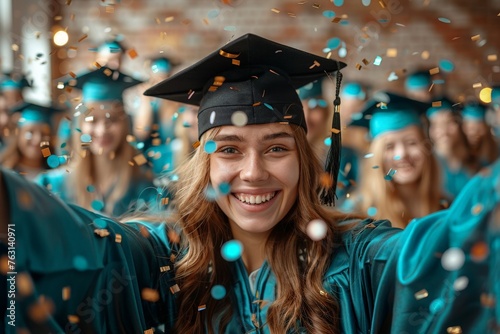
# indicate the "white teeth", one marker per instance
pixel 255 199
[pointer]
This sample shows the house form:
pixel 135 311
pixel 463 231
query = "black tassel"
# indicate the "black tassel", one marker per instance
pixel 332 164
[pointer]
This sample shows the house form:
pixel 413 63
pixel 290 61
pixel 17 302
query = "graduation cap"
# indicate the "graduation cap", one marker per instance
pixel 353 90
pixel 103 84
pixel 252 75
pixel 162 64
pixel 474 112
pixel 418 80
pixel 388 111
pixel 110 46
pixel 32 113
pixel 311 90
pixel 442 104
pixel 10 82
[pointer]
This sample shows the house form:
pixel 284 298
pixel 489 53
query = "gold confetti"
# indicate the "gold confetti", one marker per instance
pixel 479 251
pixel 150 295
pixel 477 85
pixel 454 330
pixel 82 38
pixel 173 236
pixel 475 37
pixel 425 55
pixel 477 209
pixel 235 62
pixel 335 131
pixel 102 232
pixel 436 104
pixel 132 53
pixel 41 309
pixel 487 300
pixel 206 22
pixel 326 180
pixel 315 5
pixel 140 159
pixel 144 231
pixel 110 9
pixel 96 64
pixel 228 55
pixel 365 61
pixel 74 319
pixel 336 19
pixel 24 199
pixel 149 331
pixel 292 15
pixel 58 18
pixel 15 47
pixel 202 307
pixel 492 57
pixel 288 116
pixel 392 52
pixel 4 265
pixel 46 152
pixel 72 74
pixel 196 144
pixel 174 289
pixel 434 70
pixel 156 142
pixel 421 294
pixel 108 72
pixel 157 20
pixel 66 293
pixel 118 238
pixel 275 10
pixel 164 269
pixel 169 19
pixel 190 94
pixel 359 67
pixel 323 293
pixel 315 64
pixel 382 4
pixel 164 201
pixel 24 284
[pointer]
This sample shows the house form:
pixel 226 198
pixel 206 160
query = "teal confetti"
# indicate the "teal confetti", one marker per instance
pixel 210 193
pixel 446 65
pixel 436 305
pixel 444 20
pixel 210 147
pixel 85 138
pixel 63 160
pixel 268 106
pixel 397 157
pixel 390 174
pixel 438 82
pixel 369 155
pixel 213 13
pixel 377 61
pixel 232 250
pixel 366 3
pixel 63 145
pixel 100 223
pixel 372 211
pixel 80 263
pixel 328 141
pixel 338 3
pixel 230 28
pixel 90 188
pixel 329 14
pixel 53 161
pixel 224 188
pixel 97 205
pixel 333 43
pixel 218 292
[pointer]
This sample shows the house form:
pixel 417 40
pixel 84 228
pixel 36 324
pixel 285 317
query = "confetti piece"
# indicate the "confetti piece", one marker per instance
pixel 46 152
pixel 239 118
pixel 140 159
pixel 454 330
pixel 315 64
pixel 118 238
pixel 164 201
pixel 96 64
pixel 316 229
pixel 479 251
pixel 336 19
pixel 487 300
pixel 453 259
pixel 210 146
pixel 169 19
pixel 444 20
pixel 80 263
pixel 41 310
pixel 24 285
pixel 434 70
pixel 202 307
pixel 82 38
pixel 132 53
pixel 164 269
pixel 492 57
pixel 390 174
pixel 101 232
pixel 436 305
pixel 372 211
pixel 475 37
pixel 150 295
pixel 74 319
pixel 66 293
pixel 149 331
pixel 382 4
pixel 218 292
pixel 477 209
pixel 196 144
pixel 326 180
pixel 477 85
pixel 274 10
pixel 460 283
pixel 421 294
pixel 174 289
pixel 446 65
pixel 97 205
pixel 232 250
pixel 392 52
pixel 359 67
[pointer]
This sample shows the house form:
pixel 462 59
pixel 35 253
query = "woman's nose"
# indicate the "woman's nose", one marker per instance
pixel 253 168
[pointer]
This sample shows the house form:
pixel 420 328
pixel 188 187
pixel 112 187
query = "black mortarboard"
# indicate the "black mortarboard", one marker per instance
pixel 252 75
pixel 387 111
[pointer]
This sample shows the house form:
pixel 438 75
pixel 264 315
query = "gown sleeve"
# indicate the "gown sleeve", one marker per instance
pixel 80 272
pixel 439 275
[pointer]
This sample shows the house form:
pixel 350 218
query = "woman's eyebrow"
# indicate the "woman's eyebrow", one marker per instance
pixel 265 138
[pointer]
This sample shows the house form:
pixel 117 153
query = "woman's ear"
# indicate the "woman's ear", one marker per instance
pixel 4 209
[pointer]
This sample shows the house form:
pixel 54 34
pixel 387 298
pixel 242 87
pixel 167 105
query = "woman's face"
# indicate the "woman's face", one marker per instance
pixel 405 152
pixel 316 114
pixel 444 131
pixel 475 131
pixel 107 125
pixel 261 164
pixel 30 138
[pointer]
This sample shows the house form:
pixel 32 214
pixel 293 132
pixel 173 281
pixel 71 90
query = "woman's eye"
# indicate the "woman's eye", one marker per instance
pixel 228 150
pixel 277 149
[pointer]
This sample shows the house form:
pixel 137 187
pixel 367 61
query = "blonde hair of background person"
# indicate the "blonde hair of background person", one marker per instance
pixel 376 192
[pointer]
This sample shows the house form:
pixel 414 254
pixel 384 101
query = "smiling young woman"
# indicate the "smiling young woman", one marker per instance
pixel 249 248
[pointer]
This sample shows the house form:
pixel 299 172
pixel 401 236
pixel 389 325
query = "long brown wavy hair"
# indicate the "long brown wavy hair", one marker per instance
pixel 299 296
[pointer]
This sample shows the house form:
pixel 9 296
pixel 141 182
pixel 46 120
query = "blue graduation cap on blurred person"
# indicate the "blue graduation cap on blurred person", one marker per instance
pixel 162 64
pixel 11 82
pixel 257 78
pixel 32 113
pixel 387 112
pixel 418 80
pixel 103 84
pixel 110 46
pixel 353 90
pixel 442 104
pixel 474 112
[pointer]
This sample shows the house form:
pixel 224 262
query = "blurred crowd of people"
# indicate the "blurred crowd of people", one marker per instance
pixel 112 149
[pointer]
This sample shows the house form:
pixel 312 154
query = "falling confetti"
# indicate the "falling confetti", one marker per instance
pixel 453 259
pixel 316 229
pixel 232 250
pixel 218 292
pixel 210 146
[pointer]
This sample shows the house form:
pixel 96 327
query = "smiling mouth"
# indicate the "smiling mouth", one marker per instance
pixel 255 199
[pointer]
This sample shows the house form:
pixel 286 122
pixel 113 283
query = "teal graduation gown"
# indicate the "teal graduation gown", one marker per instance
pixel 141 192
pixel 429 278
